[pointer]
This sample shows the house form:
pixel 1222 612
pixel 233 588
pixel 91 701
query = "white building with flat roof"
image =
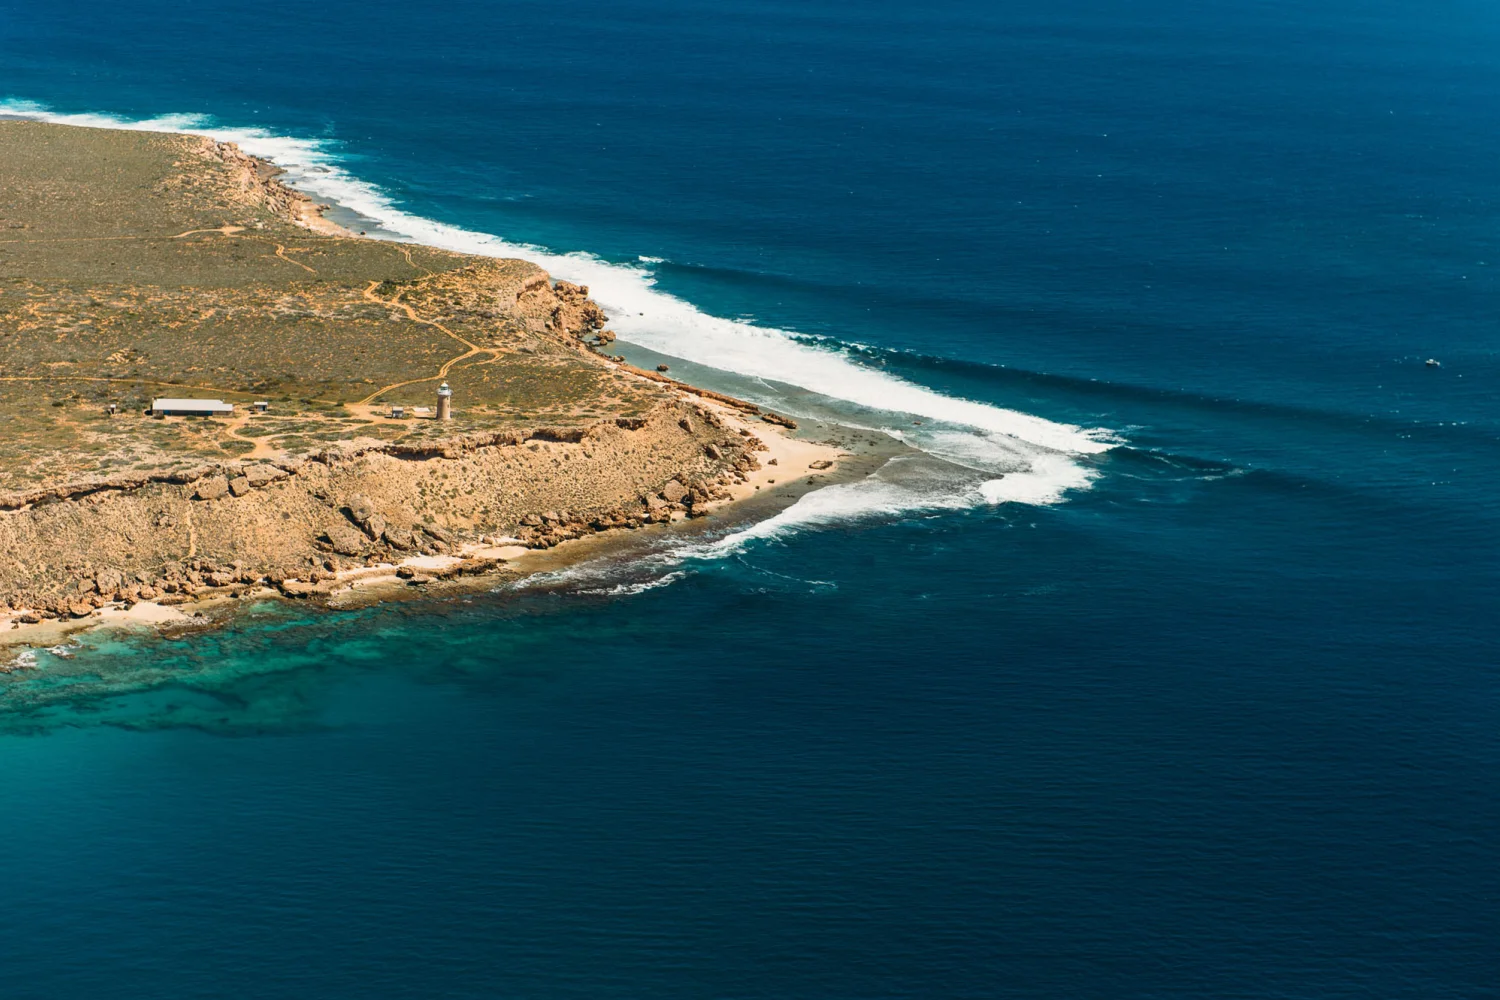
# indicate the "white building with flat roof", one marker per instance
pixel 191 407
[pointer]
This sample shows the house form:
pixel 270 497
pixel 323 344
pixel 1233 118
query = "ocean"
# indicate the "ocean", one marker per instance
pixel 1165 667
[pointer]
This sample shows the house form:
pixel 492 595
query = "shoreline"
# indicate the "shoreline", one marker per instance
pixel 773 461
pixel 786 474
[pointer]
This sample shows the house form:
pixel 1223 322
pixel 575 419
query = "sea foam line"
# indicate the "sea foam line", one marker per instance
pixel 1037 457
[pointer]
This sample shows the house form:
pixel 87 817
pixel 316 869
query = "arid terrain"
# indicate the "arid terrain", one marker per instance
pixel 137 265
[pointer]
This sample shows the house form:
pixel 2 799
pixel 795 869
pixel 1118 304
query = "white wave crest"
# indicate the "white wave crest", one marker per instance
pixel 904 486
pixel 637 587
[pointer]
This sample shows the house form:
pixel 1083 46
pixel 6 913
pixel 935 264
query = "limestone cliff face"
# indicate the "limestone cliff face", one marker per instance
pixel 573 312
pixel 238 524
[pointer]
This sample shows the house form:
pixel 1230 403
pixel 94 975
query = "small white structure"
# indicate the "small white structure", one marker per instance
pixel 398 413
pixel 261 406
pixel 445 402
pixel 191 407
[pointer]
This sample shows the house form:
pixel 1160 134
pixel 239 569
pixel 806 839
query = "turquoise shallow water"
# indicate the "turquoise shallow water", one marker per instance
pixel 1210 712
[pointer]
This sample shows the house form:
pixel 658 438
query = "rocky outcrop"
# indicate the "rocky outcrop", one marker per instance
pixel 345 540
pixel 252 181
pixel 263 475
pixel 575 312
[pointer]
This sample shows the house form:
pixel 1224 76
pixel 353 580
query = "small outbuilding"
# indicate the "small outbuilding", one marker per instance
pixel 191 407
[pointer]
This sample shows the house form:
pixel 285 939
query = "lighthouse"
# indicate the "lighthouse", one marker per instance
pixel 445 402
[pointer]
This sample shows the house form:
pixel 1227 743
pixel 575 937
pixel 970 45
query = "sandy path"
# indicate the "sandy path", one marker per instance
pixel 411 314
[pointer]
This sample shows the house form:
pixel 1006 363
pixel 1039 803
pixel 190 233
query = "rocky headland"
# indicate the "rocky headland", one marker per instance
pixel 135 265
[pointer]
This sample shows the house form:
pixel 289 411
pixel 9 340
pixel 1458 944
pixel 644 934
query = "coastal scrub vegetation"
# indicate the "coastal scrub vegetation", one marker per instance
pixel 136 265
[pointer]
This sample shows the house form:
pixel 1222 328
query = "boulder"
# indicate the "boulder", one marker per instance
pixel 108 580
pixel 712 451
pixel 239 485
pixel 345 540
pixel 221 579
pixel 296 588
pixel 821 463
pixel 399 538
pixel 360 508
pixel 212 488
pixel 260 475
pixel 375 526
pixel 80 609
pixel 405 572
pixel 674 491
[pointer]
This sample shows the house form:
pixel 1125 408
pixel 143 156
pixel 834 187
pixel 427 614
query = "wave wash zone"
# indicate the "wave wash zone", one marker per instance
pixel 139 266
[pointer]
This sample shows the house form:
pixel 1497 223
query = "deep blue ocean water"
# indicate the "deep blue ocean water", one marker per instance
pixel 1215 712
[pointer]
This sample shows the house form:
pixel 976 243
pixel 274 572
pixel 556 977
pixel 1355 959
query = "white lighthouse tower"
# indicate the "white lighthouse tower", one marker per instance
pixel 445 402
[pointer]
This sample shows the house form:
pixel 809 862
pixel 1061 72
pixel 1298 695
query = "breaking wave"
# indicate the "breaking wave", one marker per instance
pixel 906 485
pixel 1006 456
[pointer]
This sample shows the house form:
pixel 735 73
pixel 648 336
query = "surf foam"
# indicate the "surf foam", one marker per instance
pixel 906 485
